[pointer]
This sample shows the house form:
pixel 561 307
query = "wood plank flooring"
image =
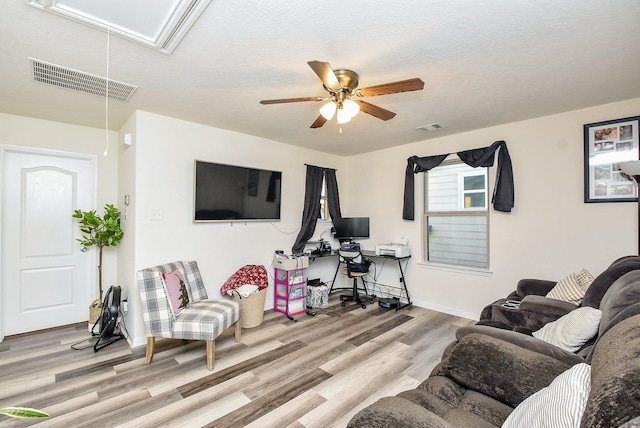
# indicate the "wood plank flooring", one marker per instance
pixel 314 372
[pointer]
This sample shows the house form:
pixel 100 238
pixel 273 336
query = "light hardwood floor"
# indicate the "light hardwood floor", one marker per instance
pixel 315 372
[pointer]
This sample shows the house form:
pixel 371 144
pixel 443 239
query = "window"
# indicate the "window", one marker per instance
pixel 324 205
pixel 473 188
pixel 456 215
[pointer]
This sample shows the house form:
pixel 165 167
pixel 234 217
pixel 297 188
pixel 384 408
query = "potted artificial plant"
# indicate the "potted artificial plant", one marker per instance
pixel 101 232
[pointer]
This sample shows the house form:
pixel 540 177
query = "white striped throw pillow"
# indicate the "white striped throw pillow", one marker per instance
pixel 572 330
pixel 569 290
pixel 585 279
pixel 559 405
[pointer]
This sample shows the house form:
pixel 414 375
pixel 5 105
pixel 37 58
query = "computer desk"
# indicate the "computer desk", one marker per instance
pixel 373 256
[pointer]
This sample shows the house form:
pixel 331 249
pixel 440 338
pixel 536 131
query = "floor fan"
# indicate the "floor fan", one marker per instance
pixel 108 319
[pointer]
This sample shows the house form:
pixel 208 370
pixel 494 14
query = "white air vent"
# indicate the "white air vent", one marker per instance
pixel 427 128
pixel 62 77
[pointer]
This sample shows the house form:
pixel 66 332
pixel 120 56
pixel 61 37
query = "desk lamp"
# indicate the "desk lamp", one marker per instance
pixel 632 169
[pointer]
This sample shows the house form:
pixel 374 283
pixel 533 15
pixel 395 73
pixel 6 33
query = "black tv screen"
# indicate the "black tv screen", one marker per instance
pixel 348 228
pixel 228 192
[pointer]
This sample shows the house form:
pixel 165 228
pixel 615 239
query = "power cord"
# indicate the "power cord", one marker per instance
pixel 90 340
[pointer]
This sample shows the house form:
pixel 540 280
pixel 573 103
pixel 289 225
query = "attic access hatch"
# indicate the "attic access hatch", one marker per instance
pixel 158 24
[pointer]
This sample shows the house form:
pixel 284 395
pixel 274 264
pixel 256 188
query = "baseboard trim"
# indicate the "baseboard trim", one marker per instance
pixel 137 341
pixel 446 309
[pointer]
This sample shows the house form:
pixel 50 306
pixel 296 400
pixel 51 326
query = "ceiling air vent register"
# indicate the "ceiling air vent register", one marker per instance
pixel 63 77
pixel 431 127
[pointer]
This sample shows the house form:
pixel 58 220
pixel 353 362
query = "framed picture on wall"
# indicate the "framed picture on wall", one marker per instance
pixel 606 144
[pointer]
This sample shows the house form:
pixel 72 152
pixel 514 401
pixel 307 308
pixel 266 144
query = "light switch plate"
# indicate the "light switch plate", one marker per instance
pixel 155 214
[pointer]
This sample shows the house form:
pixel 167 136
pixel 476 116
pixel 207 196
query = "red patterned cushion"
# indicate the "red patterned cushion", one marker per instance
pixel 248 274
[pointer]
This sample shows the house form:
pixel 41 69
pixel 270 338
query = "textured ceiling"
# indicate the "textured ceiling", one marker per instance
pixel 484 63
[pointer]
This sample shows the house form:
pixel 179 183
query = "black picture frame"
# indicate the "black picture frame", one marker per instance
pixel 606 145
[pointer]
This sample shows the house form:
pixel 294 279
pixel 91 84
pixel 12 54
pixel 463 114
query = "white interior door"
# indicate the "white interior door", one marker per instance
pixel 46 279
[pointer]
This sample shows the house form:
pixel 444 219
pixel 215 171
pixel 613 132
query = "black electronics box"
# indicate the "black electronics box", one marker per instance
pixel 389 303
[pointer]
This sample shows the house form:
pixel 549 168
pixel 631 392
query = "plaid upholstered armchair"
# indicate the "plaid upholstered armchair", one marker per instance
pixel 175 305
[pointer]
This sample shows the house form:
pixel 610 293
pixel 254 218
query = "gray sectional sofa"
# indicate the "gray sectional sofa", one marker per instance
pixel 535 310
pixel 488 372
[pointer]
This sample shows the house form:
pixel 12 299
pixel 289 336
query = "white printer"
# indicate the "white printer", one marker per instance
pixel 394 250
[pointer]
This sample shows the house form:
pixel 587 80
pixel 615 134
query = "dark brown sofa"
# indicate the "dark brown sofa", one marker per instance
pixel 482 379
pixel 488 371
pixel 535 310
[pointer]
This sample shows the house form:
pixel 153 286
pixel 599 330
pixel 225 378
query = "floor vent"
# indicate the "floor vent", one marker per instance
pixel 62 77
pixel 427 128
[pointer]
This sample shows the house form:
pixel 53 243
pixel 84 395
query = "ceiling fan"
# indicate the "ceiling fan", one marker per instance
pixel 342 85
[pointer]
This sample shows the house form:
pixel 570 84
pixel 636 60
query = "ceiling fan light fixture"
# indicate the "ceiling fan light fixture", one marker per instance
pixel 350 107
pixel 328 110
pixel 343 116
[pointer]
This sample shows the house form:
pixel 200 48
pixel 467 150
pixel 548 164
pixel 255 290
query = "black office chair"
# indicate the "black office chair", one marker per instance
pixel 357 267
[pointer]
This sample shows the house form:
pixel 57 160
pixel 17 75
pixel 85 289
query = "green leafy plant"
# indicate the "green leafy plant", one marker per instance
pixel 23 412
pixel 99 231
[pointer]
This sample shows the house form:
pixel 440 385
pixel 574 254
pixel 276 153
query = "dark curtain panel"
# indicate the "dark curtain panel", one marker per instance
pixel 503 192
pixel 332 196
pixel 313 191
pixel 414 166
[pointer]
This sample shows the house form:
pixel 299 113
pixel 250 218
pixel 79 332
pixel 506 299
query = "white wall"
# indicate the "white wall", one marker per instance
pixel 43 134
pixel 127 247
pixel 549 234
pixel 165 149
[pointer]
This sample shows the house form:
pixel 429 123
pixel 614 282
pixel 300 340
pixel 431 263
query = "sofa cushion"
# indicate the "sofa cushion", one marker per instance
pixel 615 376
pixel 573 330
pixel 629 312
pixel 541 310
pixel 475 409
pixel 533 286
pixel 489 409
pixel 463 418
pixel 523 341
pixel 634 423
pixel 500 369
pixel 396 412
pixel 560 405
pixel 444 388
pixel 625 259
pixel 624 292
pixel 602 282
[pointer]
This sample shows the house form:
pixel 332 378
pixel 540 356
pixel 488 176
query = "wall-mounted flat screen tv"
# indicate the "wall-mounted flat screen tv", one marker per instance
pixel 230 192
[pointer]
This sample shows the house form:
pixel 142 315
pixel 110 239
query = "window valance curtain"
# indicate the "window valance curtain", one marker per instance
pixel 313 191
pixel 503 192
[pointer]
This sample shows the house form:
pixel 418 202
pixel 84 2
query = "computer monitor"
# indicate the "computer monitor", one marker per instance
pixel 349 228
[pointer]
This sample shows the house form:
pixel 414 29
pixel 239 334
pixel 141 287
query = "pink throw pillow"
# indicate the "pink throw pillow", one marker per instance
pixel 176 290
